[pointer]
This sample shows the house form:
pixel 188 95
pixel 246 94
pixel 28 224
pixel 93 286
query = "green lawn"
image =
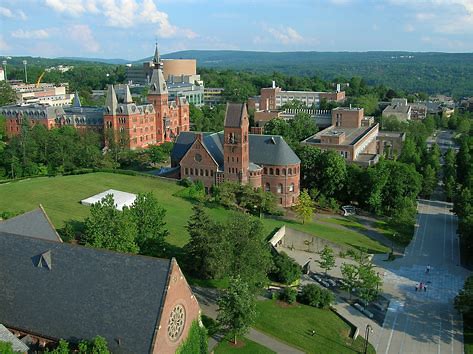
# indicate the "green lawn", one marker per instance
pixel 60 196
pixel 347 222
pixel 294 324
pixel 245 346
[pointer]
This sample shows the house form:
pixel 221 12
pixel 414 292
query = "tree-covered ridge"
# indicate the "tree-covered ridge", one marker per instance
pixel 448 73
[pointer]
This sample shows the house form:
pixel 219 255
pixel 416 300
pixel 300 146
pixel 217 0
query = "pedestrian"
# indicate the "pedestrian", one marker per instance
pixel 428 269
pixel 425 288
pixel 417 287
pixel 313 333
pixel 420 286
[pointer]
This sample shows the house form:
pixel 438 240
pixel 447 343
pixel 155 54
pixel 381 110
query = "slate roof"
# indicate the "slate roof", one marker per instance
pixel 7 336
pixel 234 114
pixel 33 224
pixel 264 149
pixel 86 292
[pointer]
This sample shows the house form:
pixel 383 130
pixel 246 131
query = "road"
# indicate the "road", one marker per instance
pixel 425 322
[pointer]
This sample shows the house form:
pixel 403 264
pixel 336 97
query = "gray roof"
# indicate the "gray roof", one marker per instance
pixel 157 84
pixel 32 111
pixel 111 101
pixel 33 224
pixel 127 98
pixel 7 336
pixel 81 292
pixel 264 149
pixel 234 114
pixel 76 101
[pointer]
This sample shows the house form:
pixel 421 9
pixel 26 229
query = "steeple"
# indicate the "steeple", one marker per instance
pixel 111 102
pixel 157 84
pixel 76 100
pixel 128 98
pixel 156 58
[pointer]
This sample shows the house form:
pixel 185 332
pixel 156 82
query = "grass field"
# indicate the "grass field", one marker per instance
pixel 294 324
pixel 61 196
pixel 245 346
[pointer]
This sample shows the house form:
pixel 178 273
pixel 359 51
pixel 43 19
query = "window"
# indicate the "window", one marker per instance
pixel 186 171
pixel 206 173
pixel 280 201
pixel 192 171
pixel 267 187
pixel 283 171
pixel 201 172
pixel 271 171
pixel 291 187
pixel 290 172
pixel 279 188
pixel 265 170
pixel 277 171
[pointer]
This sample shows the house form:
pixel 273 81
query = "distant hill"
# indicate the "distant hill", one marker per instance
pixel 449 73
pixel 98 60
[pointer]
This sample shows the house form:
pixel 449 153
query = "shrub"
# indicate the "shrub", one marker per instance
pixel 196 341
pixel 67 233
pixel 314 296
pixel 285 270
pixel 288 295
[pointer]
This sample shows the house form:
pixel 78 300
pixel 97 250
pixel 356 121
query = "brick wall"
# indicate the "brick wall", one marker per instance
pixel 178 292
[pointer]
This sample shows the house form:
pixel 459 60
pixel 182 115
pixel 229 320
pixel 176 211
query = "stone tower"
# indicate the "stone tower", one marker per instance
pixel 235 146
pixel 158 97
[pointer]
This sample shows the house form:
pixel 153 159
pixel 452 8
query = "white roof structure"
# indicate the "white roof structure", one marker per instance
pixel 121 199
pixel 7 336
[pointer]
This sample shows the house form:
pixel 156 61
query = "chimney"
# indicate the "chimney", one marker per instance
pixel 274 84
pixel 338 88
pixel 199 136
pixel 350 105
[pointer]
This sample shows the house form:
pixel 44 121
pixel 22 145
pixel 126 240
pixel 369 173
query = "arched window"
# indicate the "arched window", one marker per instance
pixel 277 171
pixel 271 171
pixel 291 187
pixel 290 172
pixel 283 171
pixel 279 188
pixel 265 171
pixel 267 187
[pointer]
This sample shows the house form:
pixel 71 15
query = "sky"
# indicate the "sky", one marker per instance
pixel 128 29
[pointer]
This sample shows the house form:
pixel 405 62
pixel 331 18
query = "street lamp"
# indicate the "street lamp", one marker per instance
pixel 5 69
pixel 26 72
pixel 368 330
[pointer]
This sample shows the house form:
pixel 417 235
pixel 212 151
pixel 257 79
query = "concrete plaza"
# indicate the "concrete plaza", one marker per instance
pixel 424 321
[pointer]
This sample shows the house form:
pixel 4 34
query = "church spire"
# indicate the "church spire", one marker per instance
pixel 76 100
pixel 111 101
pixel 128 98
pixel 156 58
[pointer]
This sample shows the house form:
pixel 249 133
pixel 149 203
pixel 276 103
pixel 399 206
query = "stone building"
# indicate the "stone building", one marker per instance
pixel 52 290
pixel 351 134
pixel 262 161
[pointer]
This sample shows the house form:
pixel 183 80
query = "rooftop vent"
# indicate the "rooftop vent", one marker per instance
pixel 273 141
pixel 44 260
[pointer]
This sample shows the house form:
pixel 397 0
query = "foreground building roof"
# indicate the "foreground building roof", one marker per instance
pixel 58 290
pixel 33 224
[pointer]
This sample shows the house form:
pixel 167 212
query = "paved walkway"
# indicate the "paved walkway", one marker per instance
pixel 207 300
pixel 425 322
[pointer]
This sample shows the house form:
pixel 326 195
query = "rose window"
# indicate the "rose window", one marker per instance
pixel 176 322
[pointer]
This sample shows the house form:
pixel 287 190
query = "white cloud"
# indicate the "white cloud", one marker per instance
pixel 424 16
pixel 6 12
pixel 165 28
pixel 22 15
pixel 285 35
pixel 35 34
pixel 84 36
pixel 3 44
pixel 124 14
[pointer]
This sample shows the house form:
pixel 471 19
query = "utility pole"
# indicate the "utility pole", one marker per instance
pixel 5 69
pixel 368 330
pixel 26 72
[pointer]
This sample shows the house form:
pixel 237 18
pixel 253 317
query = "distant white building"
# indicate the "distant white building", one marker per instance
pixel 2 74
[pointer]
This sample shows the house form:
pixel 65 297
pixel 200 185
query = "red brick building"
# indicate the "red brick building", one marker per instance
pixel 263 161
pixel 139 126
pixel 149 124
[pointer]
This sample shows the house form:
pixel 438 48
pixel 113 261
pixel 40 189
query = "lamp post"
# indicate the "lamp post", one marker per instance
pixel 26 72
pixel 5 69
pixel 368 330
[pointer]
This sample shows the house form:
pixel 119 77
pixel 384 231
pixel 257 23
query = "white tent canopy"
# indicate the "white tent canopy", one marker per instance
pixel 121 199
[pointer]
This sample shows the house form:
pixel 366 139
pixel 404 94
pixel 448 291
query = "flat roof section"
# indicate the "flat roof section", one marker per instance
pixel 121 199
pixel 352 135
